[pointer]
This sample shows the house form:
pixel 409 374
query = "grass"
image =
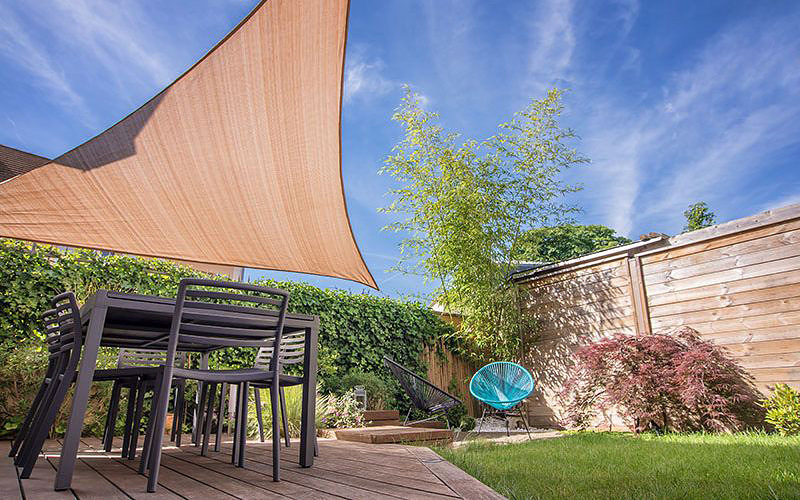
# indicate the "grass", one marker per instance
pixel 617 465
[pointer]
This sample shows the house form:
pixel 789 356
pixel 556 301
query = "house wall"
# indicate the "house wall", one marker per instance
pixel 738 284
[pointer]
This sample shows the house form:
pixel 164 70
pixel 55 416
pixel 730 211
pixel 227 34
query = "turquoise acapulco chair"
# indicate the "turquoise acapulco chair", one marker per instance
pixel 501 386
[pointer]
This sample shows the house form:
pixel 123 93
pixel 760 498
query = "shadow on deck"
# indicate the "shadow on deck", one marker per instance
pixel 343 470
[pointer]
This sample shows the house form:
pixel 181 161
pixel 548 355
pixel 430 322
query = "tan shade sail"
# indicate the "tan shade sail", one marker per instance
pixel 237 162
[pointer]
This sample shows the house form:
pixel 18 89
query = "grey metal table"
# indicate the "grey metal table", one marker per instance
pixel 112 319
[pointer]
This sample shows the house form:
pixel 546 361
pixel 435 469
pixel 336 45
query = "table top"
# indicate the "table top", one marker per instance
pixel 144 321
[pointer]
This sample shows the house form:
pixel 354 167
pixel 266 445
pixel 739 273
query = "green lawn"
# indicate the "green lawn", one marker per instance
pixel 616 465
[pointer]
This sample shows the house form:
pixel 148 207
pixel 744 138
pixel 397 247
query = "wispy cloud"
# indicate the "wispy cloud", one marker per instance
pixel 553 42
pixel 364 76
pixel 19 48
pixel 718 119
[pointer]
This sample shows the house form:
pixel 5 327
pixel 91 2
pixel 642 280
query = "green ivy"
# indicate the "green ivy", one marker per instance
pixel 356 330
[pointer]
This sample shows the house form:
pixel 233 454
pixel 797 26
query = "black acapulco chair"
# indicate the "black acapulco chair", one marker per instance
pixel 424 395
pixel 195 322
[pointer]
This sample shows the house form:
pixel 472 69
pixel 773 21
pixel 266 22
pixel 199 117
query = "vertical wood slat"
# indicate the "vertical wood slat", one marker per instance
pixel 639 294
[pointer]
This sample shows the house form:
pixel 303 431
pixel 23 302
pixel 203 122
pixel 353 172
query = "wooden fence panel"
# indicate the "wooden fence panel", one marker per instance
pixel 738 284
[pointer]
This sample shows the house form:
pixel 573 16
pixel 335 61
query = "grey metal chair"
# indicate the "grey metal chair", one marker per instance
pixel 292 353
pixel 53 342
pixel 136 371
pixel 64 322
pixel 198 304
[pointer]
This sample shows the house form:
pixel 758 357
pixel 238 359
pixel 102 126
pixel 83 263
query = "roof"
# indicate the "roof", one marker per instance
pixel 14 162
pixel 237 162
pixel 611 253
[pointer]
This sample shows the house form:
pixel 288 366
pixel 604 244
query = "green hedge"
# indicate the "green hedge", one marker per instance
pixel 356 329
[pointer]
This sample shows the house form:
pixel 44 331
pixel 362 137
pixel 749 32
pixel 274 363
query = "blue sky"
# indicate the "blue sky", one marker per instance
pixel 675 102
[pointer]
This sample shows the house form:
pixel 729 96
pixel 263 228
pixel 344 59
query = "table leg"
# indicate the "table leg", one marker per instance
pixel 308 429
pixel 80 398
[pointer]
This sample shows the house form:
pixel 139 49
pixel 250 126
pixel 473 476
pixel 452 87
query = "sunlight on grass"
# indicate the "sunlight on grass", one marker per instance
pixel 618 465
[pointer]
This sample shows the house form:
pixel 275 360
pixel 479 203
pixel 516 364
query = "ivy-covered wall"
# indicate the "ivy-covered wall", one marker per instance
pixel 356 329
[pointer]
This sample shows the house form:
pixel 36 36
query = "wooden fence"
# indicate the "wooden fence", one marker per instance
pixel 738 284
pixel 452 374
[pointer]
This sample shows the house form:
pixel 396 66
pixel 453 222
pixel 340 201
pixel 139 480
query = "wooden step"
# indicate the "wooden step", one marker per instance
pixel 378 415
pixel 376 423
pixel 387 434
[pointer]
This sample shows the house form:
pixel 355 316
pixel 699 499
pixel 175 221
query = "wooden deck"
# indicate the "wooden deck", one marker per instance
pixel 343 470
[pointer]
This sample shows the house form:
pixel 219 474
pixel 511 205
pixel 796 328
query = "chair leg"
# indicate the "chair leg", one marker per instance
pixel 525 423
pixel 259 417
pixel 26 424
pixel 196 433
pixel 48 414
pixel 180 410
pixel 285 419
pixel 483 416
pixel 316 446
pixel 508 432
pixel 159 416
pixel 208 419
pixel 274 393
pixel 136 423
pixel 144 459
pixel 129 414
pixel 243 433
pixel 111 416
pixel 237 424
pixel 220 416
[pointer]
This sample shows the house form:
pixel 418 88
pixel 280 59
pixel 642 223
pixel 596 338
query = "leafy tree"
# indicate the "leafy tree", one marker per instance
pixel 464 207
pixel 698 216
pixel 567 241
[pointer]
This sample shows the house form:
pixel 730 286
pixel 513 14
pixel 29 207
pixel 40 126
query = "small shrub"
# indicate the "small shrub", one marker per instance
pixel 661 382
pixel 783 410
pixel 342 412
pixel 455 415
pixel 378 394
pixel 467 423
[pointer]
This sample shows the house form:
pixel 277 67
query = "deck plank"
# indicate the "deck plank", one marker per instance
pixel 9 484
pixel 133 484
pixel 264 456
pixel 462 483
pixel 88 484
pixel 186 486
pixel 260 480
pixel 344 470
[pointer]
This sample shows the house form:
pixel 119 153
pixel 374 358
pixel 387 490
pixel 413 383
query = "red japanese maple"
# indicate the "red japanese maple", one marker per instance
pixel 673 381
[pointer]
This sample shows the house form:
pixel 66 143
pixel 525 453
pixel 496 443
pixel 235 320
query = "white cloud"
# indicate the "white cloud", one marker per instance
pixel 717 122
pixel 553 42
pixel 364 77
pixel 20 48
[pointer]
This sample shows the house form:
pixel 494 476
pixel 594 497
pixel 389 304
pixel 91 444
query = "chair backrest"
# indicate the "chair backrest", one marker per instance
pixel 501 384
pixel 226 313
pixel 146 358
pixel 423 394
pixel 63 333
pixel 292 351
